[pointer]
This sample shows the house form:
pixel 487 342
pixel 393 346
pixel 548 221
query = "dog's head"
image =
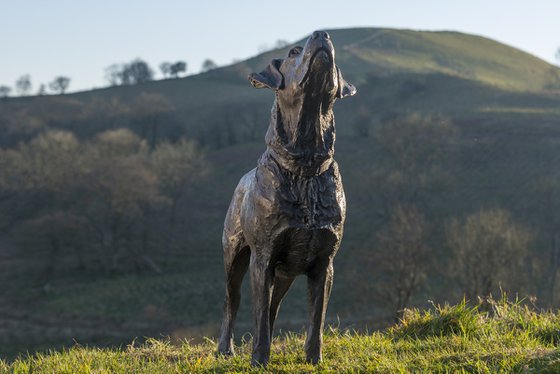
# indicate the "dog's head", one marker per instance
pixel 306 73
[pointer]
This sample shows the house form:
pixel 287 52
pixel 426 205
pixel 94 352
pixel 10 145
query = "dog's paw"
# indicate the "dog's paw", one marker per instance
pixel 225 350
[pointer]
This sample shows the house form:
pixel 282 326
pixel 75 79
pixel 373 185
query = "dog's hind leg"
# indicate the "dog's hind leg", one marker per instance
pixel 236 262
pixel 281 286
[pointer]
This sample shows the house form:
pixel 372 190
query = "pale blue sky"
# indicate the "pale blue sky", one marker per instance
pixel 79 38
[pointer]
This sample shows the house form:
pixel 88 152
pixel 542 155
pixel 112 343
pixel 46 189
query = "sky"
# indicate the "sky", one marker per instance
pixel 80 38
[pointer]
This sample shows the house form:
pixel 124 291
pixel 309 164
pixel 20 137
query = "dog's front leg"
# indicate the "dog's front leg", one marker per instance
pixel 319 285
pixel 261 284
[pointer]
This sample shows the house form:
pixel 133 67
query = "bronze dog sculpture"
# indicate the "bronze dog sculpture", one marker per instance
pixel 287 214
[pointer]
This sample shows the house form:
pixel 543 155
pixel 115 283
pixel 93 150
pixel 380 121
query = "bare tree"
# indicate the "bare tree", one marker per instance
pixel 177 68
pixel 46 236
pixel 165 68
pixel 5 91
pixel 178 167
pixel 208 65
pixel 105 112
pixel 402 258
pixel 23 85
pixel 488 249
pixel 237 123
pixel 417 150
pixel 48 163
pixel 121 188
pixel 149 108
pixel 415 140
pixel 42 90
pixel 136 72
pixel 60 84
pixel 113 74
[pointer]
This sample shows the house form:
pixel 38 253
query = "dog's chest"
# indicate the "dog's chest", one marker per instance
pixel 314 202
pixel 310 202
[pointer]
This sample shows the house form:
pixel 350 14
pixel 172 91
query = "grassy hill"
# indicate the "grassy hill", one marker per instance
pixel 503 103
pixel 361 53
pixel 510 338
pixel 365 51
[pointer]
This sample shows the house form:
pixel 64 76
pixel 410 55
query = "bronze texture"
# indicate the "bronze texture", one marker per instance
pixel 286 216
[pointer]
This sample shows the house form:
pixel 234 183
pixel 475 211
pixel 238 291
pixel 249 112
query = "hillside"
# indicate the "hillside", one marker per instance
pixel 489 138
pixel 362 54
pixel 510 339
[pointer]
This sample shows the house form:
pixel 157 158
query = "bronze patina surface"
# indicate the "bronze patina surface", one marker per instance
pixel 286 216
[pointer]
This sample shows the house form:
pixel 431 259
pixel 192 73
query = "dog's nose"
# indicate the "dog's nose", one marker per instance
pixel 320 34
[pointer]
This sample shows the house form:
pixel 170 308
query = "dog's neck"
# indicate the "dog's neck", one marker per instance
pixel 302 141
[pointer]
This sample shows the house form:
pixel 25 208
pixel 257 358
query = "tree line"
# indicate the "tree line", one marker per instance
pixel 135 72
pixel 23 86
pixel 106 201
pixel 96 204
pixel 139 71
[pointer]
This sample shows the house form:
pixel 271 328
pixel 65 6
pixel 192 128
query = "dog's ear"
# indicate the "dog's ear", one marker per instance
pixel 270 77
pixel 344 88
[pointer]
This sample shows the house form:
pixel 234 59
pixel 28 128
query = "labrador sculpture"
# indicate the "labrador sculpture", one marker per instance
pixel 286 216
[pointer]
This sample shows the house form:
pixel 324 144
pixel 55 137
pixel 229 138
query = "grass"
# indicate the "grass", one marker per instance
pixel 505 337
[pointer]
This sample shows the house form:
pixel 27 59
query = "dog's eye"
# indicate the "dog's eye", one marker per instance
pixel 295 51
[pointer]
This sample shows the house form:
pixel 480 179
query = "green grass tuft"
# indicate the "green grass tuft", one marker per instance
pixel 444 320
